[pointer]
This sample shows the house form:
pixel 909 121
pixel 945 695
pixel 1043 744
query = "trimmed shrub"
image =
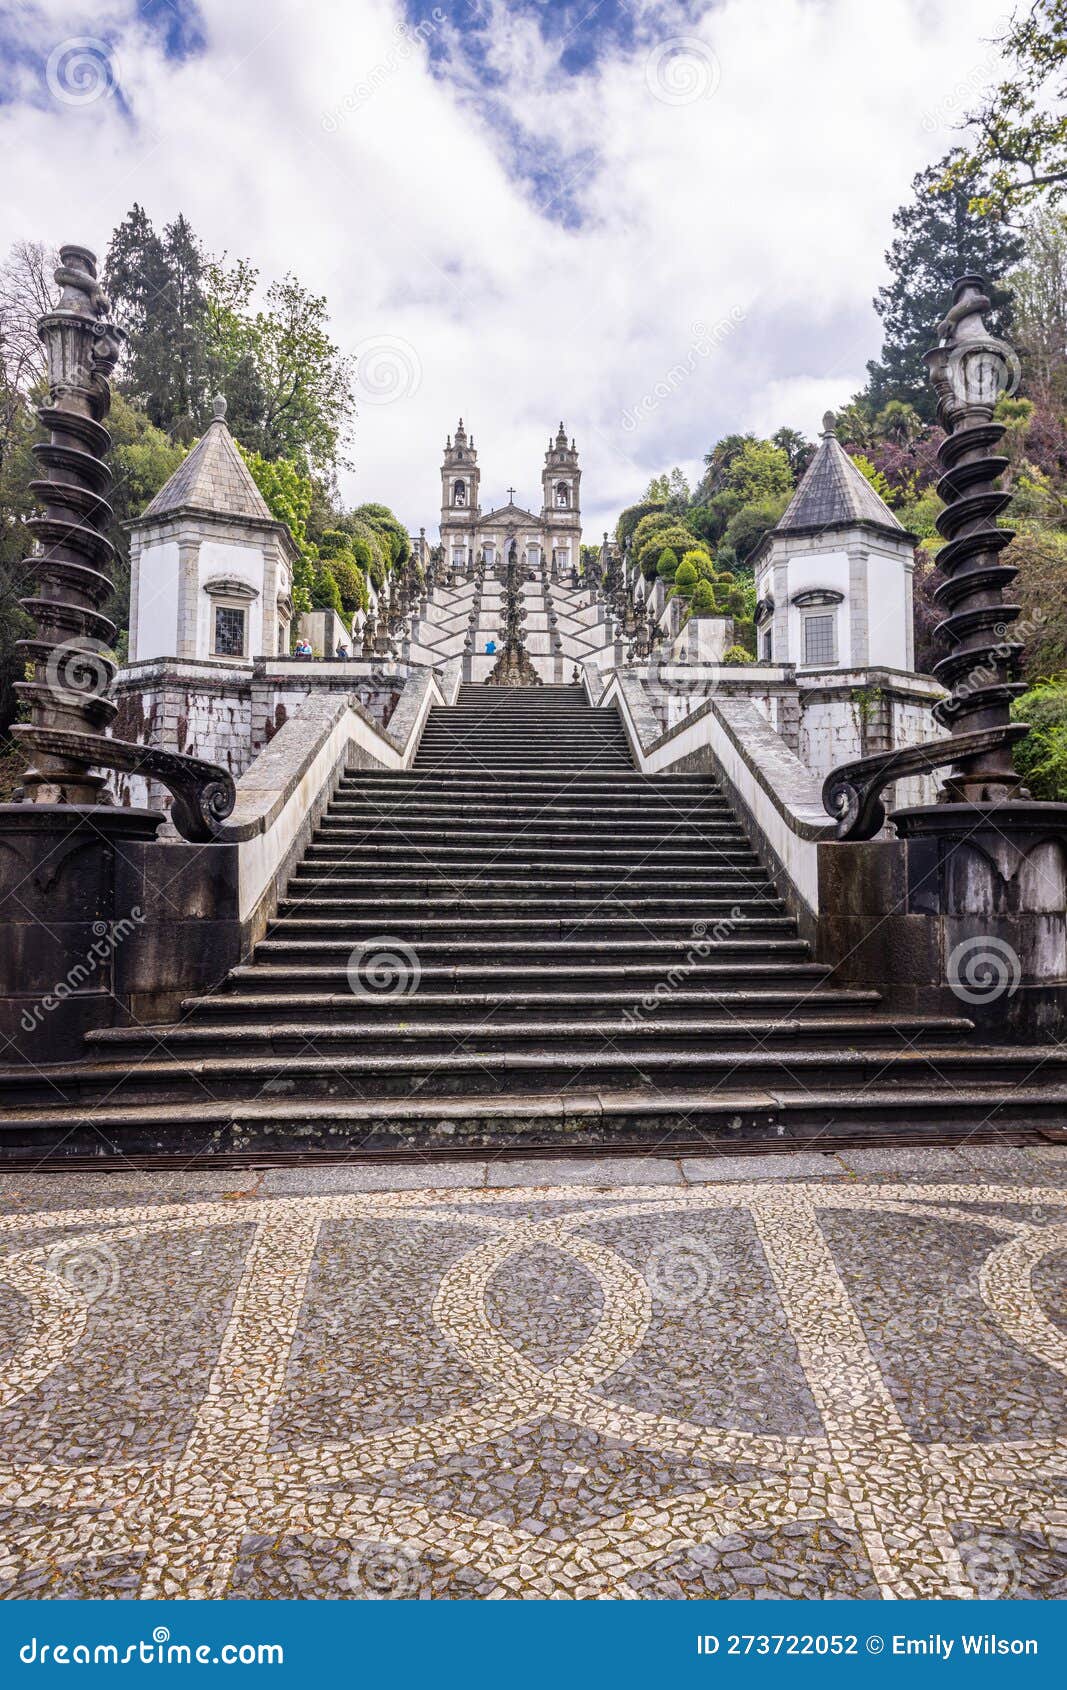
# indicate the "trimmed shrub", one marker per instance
pixel 324 593
pixel 351 583
pixel 667 565
pixel 685 579
pixel 703 600
pixel 735 657
pixel 699 560
pixel 675 535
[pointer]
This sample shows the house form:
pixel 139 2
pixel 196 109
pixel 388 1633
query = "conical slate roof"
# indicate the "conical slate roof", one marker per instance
pixel 833 493
pixel 214 477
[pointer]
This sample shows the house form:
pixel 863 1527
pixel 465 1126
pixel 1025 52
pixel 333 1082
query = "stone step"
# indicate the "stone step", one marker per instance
pixel 536 907
pixel 515 762
pixel 506 833
pixel 501 1006
pixel 679 1122
pixel 614 787
pixel 313 944
pixel 632 979
pixel 482 1071
pixel 489 929
pixel 731 1119
pixel 341 876
pixel 492 808
pixel 370 1038
pixel 496 729
pixel 507 813
pixel 546 854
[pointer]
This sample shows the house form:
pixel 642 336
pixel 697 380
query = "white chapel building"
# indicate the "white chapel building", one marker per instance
pixel 211 568
pixel 834 577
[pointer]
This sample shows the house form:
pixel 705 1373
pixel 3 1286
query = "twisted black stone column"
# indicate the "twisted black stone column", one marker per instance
pixel 101 920
pixel 968 370
pixel 73 671
pixel 986 859
pixel 69 651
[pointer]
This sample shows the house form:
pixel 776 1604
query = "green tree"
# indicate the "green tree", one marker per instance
pixel 874 476
pixel 307 385
pixel 899 421
pixel 797 448
pixel 288 494
pixel 142 459
pixel 717 464
pixel 759 471
pixel 1039 289
pixel 939 237
pixel 1020 150
pixel 1041 757
pixel 157 285
pixel 752 522
pixel 632 516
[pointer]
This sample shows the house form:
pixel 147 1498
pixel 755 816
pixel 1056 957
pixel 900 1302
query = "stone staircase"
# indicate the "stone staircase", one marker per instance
pixel 554 609
pixel 523 942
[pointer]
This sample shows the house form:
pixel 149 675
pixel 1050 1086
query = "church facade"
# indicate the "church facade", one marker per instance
pixel 551 536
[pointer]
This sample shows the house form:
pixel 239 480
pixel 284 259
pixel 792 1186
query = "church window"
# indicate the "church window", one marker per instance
pixel 563 495
pixel 459 493
pixel 229 631
pixel 820 644
pixel 768 647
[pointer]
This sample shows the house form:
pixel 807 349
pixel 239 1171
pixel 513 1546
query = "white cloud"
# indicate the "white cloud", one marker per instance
pixel 317 140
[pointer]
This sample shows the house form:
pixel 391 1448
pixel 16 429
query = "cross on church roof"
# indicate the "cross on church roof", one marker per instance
pixel 511 495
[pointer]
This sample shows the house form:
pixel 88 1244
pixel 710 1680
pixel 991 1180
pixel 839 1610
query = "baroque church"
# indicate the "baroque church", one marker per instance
pixel 552 535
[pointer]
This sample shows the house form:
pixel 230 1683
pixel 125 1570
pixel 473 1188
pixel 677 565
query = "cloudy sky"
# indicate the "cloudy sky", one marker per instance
pixel 659 220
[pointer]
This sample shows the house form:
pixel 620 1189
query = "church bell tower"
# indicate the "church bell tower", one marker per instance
pixel 561 503
pixel 460 501
pixel 460 476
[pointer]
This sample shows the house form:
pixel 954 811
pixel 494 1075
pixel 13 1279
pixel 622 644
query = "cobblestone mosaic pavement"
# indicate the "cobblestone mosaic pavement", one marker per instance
pixel 792 1376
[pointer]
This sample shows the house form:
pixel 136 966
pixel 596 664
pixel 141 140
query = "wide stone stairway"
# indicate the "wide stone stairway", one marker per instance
pixel 524 942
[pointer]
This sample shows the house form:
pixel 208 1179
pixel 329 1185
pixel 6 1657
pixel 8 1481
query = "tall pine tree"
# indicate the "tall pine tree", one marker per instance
pixel 939 239
pixel 157 286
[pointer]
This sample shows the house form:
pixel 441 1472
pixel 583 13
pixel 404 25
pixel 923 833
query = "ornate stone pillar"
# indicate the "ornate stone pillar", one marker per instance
pixel 88 896
pixel 986 860
pixel 73 668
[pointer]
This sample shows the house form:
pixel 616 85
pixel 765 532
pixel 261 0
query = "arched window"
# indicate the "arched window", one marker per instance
pixel 459 492
pixel 563 495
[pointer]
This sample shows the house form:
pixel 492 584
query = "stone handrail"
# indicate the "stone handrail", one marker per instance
pixel 282 796
pixel 730 735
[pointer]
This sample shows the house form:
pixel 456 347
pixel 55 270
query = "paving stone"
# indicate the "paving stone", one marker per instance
pixel 29 1191
pixel 759 1386
pixel 603 1172
pixel 1051 1155
pixel 999 1160
pixel 375 1176
pixel 909 1159
pixel 790 1164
